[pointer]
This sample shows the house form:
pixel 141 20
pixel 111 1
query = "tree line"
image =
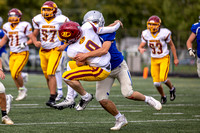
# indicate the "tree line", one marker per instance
pixel 176 15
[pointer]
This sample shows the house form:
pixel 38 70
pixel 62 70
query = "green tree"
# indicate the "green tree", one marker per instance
pixel 176 15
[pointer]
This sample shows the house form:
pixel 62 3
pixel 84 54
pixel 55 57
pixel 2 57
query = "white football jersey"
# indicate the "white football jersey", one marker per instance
pixel 89 42
pixel 157 43
pixel 48 30
pixel 17 35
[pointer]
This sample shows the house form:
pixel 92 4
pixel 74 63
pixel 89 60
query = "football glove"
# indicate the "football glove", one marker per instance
pixel 23 45
pixel 191 52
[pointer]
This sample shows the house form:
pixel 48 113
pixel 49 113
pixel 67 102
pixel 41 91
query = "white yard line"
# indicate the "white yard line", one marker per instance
pixel 98 106
pixel 25 104
pixel 168 113
pixel 196 115
pixel 142 121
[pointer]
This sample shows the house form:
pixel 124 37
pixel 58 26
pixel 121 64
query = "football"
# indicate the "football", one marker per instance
pixel 80 63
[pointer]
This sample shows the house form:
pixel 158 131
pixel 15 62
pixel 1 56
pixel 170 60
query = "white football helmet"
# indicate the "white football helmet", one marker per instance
pixel 95 17
pixel 59 12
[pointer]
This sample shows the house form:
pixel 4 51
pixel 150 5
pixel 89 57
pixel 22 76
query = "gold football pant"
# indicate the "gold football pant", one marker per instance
pixel 160 68
pixel 17 63
pixel 85 73
pixel 49 60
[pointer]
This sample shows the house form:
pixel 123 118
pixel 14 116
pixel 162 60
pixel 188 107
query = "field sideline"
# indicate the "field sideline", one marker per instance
pixel 32 115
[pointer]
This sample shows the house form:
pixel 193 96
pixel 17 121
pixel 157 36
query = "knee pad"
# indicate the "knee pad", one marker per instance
pixel 127 93
pixel 198 67
pixel 2 88
pixel 157 84
pixel 100 98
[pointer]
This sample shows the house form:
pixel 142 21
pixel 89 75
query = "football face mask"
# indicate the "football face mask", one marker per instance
pixel 153 24
pixel 14 16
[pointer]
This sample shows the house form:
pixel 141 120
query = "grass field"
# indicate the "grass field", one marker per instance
pixel 179 116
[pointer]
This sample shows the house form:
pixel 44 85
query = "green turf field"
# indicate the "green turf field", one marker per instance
pixel 179 116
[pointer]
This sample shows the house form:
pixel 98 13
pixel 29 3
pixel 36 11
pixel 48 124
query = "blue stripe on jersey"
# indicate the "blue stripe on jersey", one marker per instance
pixel 116 55
pixel 196 30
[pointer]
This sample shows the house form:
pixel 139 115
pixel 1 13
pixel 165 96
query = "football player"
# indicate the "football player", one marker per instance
pixel 82 40
pixel 4 56
pixel 47 24
pixel 158 40
pixel 17 32
pixel 195 35
pixel 119 71
pixel 3 101
pixel 3 52
pixel 61 68
pixel 71 94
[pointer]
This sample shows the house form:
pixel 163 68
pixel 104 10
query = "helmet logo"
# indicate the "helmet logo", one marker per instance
pixel 82 40
pixel 66 34
pixel 54 5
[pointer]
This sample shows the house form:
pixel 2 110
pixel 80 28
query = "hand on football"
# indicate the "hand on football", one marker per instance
pixel 80 63
pixel 80 57
pixel 191 52
pixel 23 45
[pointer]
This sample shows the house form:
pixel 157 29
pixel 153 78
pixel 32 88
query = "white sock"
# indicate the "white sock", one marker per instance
pixel 75 93
pixel 118 115
pixel 85 97
pixel 59 79
pixel 70 92
pixel 60 91
pixel 23 74
pixel 172 88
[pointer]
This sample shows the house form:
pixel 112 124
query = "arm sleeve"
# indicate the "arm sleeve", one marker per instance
pixel 103 30
pixel 29 29
pixel 143 38
pixel 35 25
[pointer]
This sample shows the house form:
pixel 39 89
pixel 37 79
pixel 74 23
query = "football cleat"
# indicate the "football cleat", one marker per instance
pixel 172 94
pixel 22 94
pixel 154 103
pixel 59 97
pixel 120 122
pixel 83 103
pixel 7 120
pixel 67 103
pixel 50 103
pixel 9 99
pixel 163 100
